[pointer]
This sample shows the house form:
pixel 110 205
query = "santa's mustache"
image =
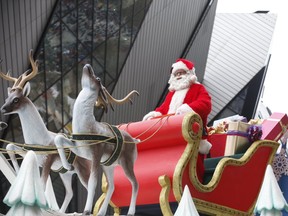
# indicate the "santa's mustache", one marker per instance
pixel 178 84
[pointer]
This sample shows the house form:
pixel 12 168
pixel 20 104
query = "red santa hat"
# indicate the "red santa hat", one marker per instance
pixel 186 65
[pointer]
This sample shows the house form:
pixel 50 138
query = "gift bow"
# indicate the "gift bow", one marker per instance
pixel 254 133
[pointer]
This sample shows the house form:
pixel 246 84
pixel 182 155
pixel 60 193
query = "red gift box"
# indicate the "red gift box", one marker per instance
pixel 275 126
pixel 218 142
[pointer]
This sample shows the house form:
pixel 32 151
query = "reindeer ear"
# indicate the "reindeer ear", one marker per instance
pixel 26 89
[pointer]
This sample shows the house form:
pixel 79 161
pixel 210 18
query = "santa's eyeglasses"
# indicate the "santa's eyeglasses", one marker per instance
pixel 180 73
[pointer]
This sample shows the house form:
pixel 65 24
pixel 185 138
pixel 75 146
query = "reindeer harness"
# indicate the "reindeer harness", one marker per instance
pixel 117 140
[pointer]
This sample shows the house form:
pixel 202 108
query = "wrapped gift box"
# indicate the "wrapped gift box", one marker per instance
pixel 275 126
pixel 218 142
pixel 237 138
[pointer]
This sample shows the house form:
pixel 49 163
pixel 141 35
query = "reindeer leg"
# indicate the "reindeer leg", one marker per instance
pixel 47 163
pixel 82 168
pixel 61 142
pixel 109 172
pixel 128 167
pixel 92 183
pixel 67 182
pixel 11 148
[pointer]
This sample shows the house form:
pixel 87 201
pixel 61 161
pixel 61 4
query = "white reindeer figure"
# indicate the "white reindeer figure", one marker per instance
pixel 84 123
pixel 35 132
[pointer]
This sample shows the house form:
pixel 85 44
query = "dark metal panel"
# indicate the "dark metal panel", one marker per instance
pixel 199 51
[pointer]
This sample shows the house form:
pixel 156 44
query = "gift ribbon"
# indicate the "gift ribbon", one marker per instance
pixel 253 133
pixel 237 133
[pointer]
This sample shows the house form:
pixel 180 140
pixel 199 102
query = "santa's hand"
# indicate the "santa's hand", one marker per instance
pixel 151 114
pixel 183 109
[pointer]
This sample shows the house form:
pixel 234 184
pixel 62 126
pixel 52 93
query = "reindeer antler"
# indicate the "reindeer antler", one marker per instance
pixel 106 99
pixel 8 77
pixel 25 77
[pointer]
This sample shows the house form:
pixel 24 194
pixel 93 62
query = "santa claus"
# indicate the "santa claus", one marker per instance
pixel 186 94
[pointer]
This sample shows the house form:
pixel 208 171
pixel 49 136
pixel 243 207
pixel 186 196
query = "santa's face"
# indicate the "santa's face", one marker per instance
pixel 179 80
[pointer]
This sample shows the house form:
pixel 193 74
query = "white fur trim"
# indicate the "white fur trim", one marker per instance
pixel 179 65
pixel 177 100
pixel 193 78
pixel 204 146
pixel 183 109
pixel 151 114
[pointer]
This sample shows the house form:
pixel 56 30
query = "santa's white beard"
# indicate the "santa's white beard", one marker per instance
pixel 181 87
pixel 183 83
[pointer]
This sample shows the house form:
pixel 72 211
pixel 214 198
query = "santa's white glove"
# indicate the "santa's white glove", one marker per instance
pixel 151 114
pixel 204 147
pixel 183 109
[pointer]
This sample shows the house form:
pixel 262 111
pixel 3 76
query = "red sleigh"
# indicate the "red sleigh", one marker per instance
pixel 166 162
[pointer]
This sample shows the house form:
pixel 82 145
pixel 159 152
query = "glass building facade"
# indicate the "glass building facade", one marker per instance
pixel 79 32
pixel 96 32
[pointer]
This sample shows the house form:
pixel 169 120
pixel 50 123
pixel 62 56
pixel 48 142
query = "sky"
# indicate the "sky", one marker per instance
pixel 276 80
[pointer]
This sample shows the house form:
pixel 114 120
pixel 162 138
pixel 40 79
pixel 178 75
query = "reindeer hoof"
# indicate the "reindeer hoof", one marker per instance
pixel 86 213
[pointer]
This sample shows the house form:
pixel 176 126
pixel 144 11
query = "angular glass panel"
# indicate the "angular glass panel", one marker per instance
pixel 83 52
pixel 112 56
pixel 124 46
pixel 237 105
pixel 99 56
pixel 141 6
pixel 69 49
pixel 37 83
pixel 70 92
pixel 37 86
pixel 70 20
pixel 52 49
pixel 56 14
pixel 67 6
pixel 127 11
pixel 98 69
pixel 85 24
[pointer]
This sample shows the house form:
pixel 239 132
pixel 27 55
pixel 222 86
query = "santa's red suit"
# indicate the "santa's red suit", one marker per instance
pixel 186 95
pixel 197 98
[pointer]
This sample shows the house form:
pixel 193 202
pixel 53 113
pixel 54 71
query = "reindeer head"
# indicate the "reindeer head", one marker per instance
pixel 90 80
pixel 17 95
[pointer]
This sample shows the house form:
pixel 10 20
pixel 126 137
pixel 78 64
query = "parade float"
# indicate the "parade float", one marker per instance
pixel 167 148
pixel 166 164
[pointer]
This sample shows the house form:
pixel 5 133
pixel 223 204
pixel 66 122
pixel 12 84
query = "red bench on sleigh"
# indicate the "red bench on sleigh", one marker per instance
pixel 167 157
